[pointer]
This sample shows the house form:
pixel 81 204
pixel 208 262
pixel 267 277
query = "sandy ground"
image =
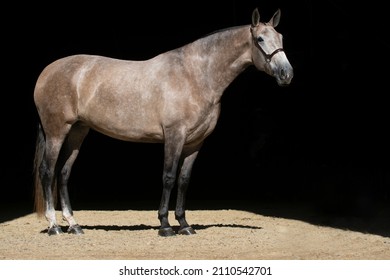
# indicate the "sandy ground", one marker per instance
pixel 221 234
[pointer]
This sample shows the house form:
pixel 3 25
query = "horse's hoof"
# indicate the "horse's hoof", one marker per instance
pixel 76 229
pixel 56 230
pixel 166 232
pixel 186 231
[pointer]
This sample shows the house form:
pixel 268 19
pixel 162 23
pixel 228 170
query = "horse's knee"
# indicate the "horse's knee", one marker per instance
pixel 184 181
pixel 169 180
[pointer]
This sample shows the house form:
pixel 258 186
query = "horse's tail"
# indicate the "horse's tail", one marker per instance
pixel 39 198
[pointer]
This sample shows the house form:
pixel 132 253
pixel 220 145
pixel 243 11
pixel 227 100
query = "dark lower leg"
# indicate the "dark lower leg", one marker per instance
pixel 165 228
pixel 67 212
pixel 180 216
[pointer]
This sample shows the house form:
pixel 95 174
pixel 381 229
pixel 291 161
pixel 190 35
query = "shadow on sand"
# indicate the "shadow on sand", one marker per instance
pixel 376 221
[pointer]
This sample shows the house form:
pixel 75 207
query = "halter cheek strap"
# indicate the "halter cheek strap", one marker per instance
pixel 268 57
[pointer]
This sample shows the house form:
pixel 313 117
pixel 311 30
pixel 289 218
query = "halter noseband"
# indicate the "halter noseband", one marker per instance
pixel 268 57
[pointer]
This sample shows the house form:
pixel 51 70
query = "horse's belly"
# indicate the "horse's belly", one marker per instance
pixel 131 134
pixel 123 122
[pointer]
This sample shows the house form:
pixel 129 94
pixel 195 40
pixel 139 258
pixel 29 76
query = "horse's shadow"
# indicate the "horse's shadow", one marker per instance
pixel 149 227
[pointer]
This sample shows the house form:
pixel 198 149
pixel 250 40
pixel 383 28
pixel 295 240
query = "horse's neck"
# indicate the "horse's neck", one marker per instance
pixel 222 56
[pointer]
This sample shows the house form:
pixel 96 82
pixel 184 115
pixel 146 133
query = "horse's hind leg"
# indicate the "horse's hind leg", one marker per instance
pixel 69 153
pixel 47 174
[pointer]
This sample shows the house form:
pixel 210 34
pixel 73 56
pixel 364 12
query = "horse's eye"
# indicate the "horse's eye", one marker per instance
pixel 260 39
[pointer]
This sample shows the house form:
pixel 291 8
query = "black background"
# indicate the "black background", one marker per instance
pixel 322 140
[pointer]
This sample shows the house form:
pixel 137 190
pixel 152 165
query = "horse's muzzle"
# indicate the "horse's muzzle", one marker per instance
pixel 284 75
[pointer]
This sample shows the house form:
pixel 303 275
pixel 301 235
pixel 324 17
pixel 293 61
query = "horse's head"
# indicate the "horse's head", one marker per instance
pixel 267 49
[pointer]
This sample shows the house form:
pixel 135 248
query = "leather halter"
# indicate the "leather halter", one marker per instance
pixel 268 57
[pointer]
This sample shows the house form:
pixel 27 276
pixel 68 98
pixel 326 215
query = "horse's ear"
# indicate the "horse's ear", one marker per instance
pixel 255 17
pixel 274 21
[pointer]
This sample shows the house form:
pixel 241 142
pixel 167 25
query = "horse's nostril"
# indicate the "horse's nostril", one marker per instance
pixel 286 73
pixel 283 74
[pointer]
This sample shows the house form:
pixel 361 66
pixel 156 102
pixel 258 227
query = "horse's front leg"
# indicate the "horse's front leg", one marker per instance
pixel 174 140
pixel 168 184
pixel 183 182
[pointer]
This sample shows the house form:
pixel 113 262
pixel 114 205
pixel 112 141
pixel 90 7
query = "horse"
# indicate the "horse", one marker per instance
pixel 173 98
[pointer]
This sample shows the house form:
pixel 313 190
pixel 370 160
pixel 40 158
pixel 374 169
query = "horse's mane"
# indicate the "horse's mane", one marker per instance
pixel 222 30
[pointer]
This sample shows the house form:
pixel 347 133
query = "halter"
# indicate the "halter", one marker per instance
pixel 268 57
